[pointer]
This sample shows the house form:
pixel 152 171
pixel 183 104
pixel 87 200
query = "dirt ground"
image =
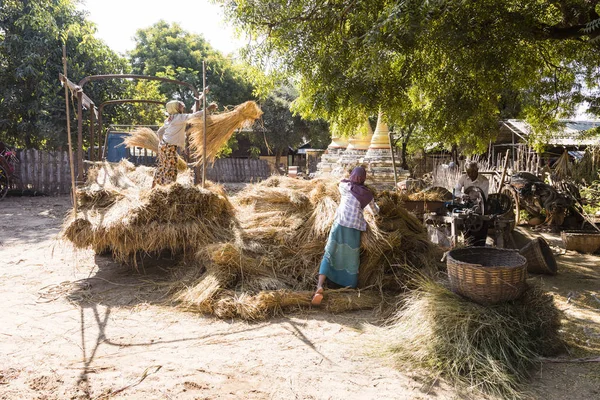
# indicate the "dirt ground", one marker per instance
pixel 77 325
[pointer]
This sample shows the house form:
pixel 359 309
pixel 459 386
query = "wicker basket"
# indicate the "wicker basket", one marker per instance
pixel 540 259
pixel 487 275
pixel 582 241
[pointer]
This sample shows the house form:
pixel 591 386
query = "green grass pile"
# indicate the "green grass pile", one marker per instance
pixel 490 349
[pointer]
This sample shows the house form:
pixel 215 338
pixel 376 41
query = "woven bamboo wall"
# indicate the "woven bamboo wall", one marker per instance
pixel 238 170
pixel 43 172
pixel 48 172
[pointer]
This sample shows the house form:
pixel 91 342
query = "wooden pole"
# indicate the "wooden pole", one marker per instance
pixel 101 140
pixel 92 138
pixel 204 122
pixel 74 198
pixel 80 135
pixel 503 172
pixel 393 161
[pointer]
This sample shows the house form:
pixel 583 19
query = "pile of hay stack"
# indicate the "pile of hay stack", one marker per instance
pixel 250 257
pixel 489 349
pixel 117 212
pixel 434 193
pixel 273 262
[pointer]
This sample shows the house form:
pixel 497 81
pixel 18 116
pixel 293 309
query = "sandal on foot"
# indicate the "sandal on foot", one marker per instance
pixel 317 297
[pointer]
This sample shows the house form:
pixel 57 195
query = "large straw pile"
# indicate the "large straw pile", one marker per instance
pixel 254 256
pixel 219 128
pixel 273 262
pixel 486 348
pixel 117 212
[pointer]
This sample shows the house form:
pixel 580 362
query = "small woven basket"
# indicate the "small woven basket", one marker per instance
pixel 540 259
pixel 487 275
pixel 582 241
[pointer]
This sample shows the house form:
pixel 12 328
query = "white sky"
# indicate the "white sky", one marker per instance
pixel 118 20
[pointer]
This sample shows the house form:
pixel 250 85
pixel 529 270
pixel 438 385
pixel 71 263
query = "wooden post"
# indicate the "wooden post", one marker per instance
pixel 80 135
pixel 74 198
pixel 393 161
pixel 503 172
pixel 92 123
pixel 204 122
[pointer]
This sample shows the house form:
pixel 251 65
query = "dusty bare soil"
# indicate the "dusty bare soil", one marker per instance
pixel 76 325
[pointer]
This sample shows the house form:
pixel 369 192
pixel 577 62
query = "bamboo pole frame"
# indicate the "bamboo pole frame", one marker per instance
pixel 71 164
pixel 204 122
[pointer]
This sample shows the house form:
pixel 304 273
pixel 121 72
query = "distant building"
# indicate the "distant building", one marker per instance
pixel 573 137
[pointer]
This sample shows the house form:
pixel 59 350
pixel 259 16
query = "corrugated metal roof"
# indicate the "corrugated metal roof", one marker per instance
pixel 570 135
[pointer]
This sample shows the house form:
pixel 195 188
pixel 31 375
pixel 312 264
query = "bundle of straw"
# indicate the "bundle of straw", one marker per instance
pixel 487 348
pixel 430 195
pixel 219 128
pixel 146 138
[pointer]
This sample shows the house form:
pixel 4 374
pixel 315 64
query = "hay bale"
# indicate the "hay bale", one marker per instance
pixel 124 178
pixel 488 348
pixel 203 294
pixel 269 303
pixel 79 231
pixel 435 193
pixel 265 198
pixel 338 301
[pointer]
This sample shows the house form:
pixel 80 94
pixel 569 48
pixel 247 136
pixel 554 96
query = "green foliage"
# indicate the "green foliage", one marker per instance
pixel 32 32
pixel 145 113
pixel 469 62
pixel 169 51
pixel 281 129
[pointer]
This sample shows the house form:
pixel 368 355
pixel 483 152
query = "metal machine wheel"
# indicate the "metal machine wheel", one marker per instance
pixel 473 222
pixel 499 204
pixel 479 198
pixel 512 193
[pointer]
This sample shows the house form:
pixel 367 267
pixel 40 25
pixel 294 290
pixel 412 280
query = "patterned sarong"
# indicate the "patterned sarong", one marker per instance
pixel 166 170
pixel 342 256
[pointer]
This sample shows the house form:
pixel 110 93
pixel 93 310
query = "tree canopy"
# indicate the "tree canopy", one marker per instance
pixel 460 65
pixel 169 51
pixel 32 105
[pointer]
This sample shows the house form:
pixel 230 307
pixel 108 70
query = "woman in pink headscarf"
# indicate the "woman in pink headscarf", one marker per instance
pixel 342 253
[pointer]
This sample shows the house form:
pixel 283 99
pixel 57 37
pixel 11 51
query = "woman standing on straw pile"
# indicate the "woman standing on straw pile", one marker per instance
pixel 172 136
pixel 342 252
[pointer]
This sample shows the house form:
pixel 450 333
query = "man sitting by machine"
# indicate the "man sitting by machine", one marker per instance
pixel 472 188
pixel 472 178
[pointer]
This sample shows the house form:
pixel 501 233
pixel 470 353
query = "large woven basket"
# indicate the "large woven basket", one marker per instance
pixel 582 241
pixel 487 275
pixel 540 259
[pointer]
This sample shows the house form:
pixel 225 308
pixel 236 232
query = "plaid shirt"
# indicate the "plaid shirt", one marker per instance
pixel 350 213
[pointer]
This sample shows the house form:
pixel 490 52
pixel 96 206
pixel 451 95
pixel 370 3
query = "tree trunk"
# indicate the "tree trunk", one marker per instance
pixel 455 154
pixel 28 142
pixel 404 163
pixel 405 145
pixel 279 170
